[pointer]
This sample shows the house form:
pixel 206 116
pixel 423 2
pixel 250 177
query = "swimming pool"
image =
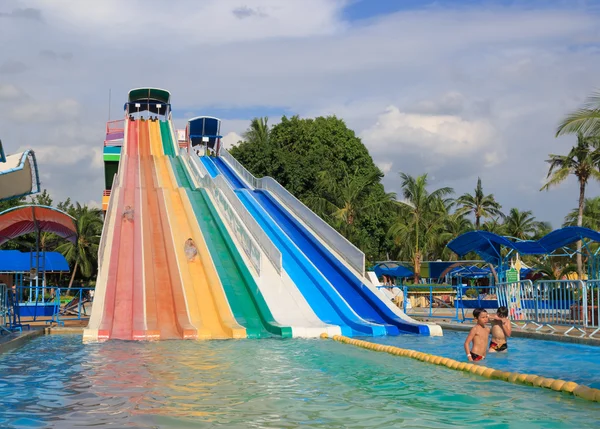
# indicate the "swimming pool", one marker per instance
pixel 58 382
pixel 566 361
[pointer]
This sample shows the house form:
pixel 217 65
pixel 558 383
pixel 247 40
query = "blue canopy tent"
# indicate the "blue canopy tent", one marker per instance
pixel 392 269
pixel 489 245
pixel 15 261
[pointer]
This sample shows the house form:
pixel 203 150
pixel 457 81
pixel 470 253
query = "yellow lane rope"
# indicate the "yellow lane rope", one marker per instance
pixel 570 387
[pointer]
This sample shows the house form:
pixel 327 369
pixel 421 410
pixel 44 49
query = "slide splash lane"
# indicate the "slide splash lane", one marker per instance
pixel 121 290
pixel 246 302
pixel 165 301
pixel 206 302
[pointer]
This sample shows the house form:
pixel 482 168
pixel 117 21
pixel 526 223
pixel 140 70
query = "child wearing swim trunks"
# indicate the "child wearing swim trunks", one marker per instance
pixel 501 330
pixel 478 336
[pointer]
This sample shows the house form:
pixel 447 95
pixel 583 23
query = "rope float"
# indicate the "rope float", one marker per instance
pixel 583 392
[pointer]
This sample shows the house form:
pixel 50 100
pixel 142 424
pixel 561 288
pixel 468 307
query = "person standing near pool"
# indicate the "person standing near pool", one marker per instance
pixel 501 330
pixel 478 335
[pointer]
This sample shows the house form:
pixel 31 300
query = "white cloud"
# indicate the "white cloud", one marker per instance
pixel 10 92
pixel 473 91
pixel 40 111
pixel 230 139
pixel 397 132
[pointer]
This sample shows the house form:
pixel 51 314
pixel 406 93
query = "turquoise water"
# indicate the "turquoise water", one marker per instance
pixel 58 382
pixel 572 362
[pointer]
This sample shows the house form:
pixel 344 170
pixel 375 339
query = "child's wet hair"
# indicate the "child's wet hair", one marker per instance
pixel 478 311
pixel 502 312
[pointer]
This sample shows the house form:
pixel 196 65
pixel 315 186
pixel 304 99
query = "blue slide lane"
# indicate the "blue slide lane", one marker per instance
pixel 210 167
pixel 325 301
pixel 362 299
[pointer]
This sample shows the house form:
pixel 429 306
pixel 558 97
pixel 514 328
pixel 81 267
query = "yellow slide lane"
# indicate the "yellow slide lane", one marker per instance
pixel 207 305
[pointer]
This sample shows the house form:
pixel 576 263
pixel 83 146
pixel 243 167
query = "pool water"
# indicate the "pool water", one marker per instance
pixel 58 382
pixel 565 361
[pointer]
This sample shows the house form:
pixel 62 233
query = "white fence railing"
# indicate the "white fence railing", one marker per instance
pixel 249 234
pixel 344 248
pixel 548 304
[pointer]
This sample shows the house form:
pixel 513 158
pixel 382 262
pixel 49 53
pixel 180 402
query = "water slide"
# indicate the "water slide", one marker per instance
pixel 326 302
pixel 121 266
pixel 246 301
pixel 18 175
pixel 209 310
pixel 285 302
pixel 364 300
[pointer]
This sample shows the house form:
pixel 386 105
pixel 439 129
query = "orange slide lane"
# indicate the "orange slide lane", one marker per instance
pixel 166 310
pixel 207 304
pixel 123 316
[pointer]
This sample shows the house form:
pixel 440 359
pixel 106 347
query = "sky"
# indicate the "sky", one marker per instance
pixel 457 89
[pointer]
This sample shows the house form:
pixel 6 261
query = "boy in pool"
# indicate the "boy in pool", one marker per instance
pixel 501 330
pixel 478 336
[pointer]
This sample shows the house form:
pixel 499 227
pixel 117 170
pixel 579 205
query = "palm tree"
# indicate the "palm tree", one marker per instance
pixel 581 161
pixel 258 132
pixel 455 224
pixel 542 228
pixel 494 226
pixel 591 214
pixel 84 251
pixel 585 120
pixel 479 204
pixel 420 219
pixel 345 201
pixel 520 224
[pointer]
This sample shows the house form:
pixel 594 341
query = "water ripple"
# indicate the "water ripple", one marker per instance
pixel 58 382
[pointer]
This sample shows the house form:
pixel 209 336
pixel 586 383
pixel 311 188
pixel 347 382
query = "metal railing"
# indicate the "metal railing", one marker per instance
pixel 593 302
pixel 248 232
pixel 545 304
pixel 344 248
pixel 240 169
pixel 115 126
pixel 48 304
pixel 4 310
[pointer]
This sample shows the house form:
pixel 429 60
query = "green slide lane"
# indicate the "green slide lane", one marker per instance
pixel 165 137
pixel 247 303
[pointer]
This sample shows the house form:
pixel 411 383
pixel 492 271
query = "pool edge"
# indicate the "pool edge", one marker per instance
pixel 21 339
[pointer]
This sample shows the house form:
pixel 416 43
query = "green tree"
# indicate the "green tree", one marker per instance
pixel 82 254
pixel 590 217
pixel 585 120
pixel 479 205
pixel 520 224
pixel 581 162
pixel 42 199
pixel 455 224
pixel 494 226
pixel 422 216
pixel 296 151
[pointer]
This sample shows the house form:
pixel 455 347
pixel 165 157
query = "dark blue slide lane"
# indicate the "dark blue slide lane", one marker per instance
pixel 327 303
pixel 210 167
pixel 228 173
pixel 329 307
pixel 362 299
pixel 352 296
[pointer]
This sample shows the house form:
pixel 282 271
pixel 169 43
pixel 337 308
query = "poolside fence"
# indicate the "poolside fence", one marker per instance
pixel 20 306
pixel 544 305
